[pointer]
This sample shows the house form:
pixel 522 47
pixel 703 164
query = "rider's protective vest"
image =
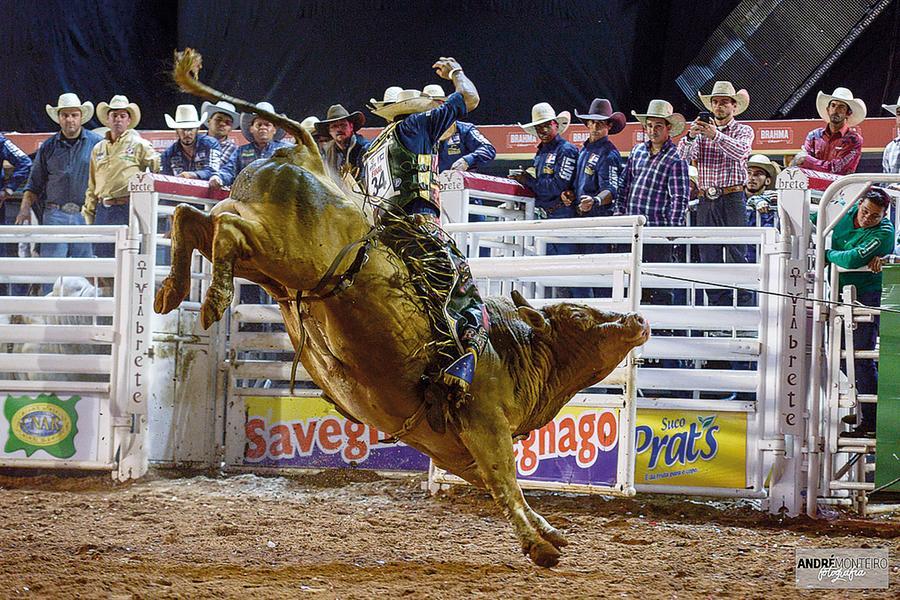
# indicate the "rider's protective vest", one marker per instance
pixel 397 175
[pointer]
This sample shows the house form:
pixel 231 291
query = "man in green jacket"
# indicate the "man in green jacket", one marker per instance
pixel 861 238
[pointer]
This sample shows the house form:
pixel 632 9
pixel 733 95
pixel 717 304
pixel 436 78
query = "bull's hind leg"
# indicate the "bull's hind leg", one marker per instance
pixel 487 437
pixel 234 238
pixel 191 229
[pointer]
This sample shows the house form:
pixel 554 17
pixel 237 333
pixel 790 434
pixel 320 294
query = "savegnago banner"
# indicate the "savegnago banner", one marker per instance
pixel 46 426
pixel 579 446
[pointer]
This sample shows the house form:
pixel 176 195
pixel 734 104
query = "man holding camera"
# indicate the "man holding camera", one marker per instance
pixel 720 147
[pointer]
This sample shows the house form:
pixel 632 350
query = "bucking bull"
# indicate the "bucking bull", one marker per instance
pixel 287 227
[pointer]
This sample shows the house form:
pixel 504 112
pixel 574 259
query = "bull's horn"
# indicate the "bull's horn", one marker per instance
pixel 519 300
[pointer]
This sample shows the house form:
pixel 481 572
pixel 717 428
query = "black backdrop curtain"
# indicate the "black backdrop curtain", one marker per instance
pixel 304 56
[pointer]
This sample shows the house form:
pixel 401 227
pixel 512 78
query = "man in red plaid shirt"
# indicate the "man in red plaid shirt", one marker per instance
pixel 837 147
pixel 720 148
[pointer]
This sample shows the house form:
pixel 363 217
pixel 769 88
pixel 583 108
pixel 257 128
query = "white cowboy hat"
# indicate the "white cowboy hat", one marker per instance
pixel 71 101
pixel 542 112
pixel 390 96
pixel 844 95
pixel 761 161
pixel 226 108
pixel 309 124
pixel 726 89
pixel 435 91
pixel 408 102
pixel 247 121
pixel 891 108
pixel 119 102
pixel 185 118
pixel 660 109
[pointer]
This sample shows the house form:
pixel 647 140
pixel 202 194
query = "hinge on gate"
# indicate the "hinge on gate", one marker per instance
pixel 771 445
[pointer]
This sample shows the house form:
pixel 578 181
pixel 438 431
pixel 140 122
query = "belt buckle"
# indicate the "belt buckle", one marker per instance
pixel 713 192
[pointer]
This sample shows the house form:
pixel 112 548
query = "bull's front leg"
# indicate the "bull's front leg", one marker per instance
pixel 486 435
pixel 191 229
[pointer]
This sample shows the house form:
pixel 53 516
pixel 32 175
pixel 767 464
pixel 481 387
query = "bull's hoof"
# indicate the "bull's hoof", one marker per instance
pixel 214 306
pixel 169 296
pixel 553 536
pixel 543 554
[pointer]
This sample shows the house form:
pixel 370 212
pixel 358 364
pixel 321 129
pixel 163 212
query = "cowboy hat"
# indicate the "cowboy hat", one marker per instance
pixel 226 108
pixel 726 89
pixel 407 102
pixel 601 110
pixel 660 109
pixel 119 102
pixel 247 121
pixel 761 161
pixel 309 124
pixel 844 95
pixel 336 112
pixel 542 112
pixel 71 101
pixel 390 96
pixel 185 118
pixel 891 108
pixel 435 91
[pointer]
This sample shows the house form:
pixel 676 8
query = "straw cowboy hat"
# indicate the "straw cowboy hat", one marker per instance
pixel 247 121
pixel 844 95
pixel 891 108
pixel 435 91
pixel 761 161
pixel 660 109
pixel 407 102
pixel 390 96
pixel 119 102
pixel 226 108
pixel 542 112
pixel 726 89
pixel 336 112
pixel 71 101
pixel 601 110
pixel 309 124
pixel 185 118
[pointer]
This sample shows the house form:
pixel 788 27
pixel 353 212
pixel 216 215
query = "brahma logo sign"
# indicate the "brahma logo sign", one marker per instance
pixel 309 432
pixel 775 135
pixel 678 447
pixel 520 139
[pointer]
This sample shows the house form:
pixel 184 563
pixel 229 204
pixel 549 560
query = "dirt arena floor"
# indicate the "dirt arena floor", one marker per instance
pixel 353 534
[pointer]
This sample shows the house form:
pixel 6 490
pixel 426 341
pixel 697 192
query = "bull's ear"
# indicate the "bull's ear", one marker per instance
pixel 534 319
pixel 519 300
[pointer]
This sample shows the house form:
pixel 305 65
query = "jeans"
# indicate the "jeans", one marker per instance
pixel 53 216
pixel 9 212
pixel 110 215
pixel 728 210
pixel 864 338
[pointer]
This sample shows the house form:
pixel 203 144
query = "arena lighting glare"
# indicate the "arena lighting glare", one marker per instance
pixel 778 48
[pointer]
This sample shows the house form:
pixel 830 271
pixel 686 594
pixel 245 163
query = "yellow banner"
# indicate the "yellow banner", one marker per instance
pixel 692 448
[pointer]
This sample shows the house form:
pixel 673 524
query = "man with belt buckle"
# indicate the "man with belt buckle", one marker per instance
pixel 554 171
pixel 59 175
pixel 720 149
pixel 9 205
pixel 114 160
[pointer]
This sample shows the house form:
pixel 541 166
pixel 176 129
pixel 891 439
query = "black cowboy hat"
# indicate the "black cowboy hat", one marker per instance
pixel 601 110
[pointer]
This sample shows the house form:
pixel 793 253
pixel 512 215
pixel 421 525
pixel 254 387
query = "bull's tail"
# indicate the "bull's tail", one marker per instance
pixel 185 72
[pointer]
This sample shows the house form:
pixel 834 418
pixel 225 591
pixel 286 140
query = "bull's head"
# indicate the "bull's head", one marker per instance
pixel 586 343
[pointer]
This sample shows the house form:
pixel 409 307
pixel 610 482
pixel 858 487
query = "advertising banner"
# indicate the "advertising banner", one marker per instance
pixel 46 426
pixel 580 445
pixel 310 433
pixel 692 448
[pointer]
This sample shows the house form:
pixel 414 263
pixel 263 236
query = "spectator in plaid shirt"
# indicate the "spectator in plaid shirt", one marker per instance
pixel 835 148
pixel 222 117
pixel 721 147
pixel 656 182
pixel 890 162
